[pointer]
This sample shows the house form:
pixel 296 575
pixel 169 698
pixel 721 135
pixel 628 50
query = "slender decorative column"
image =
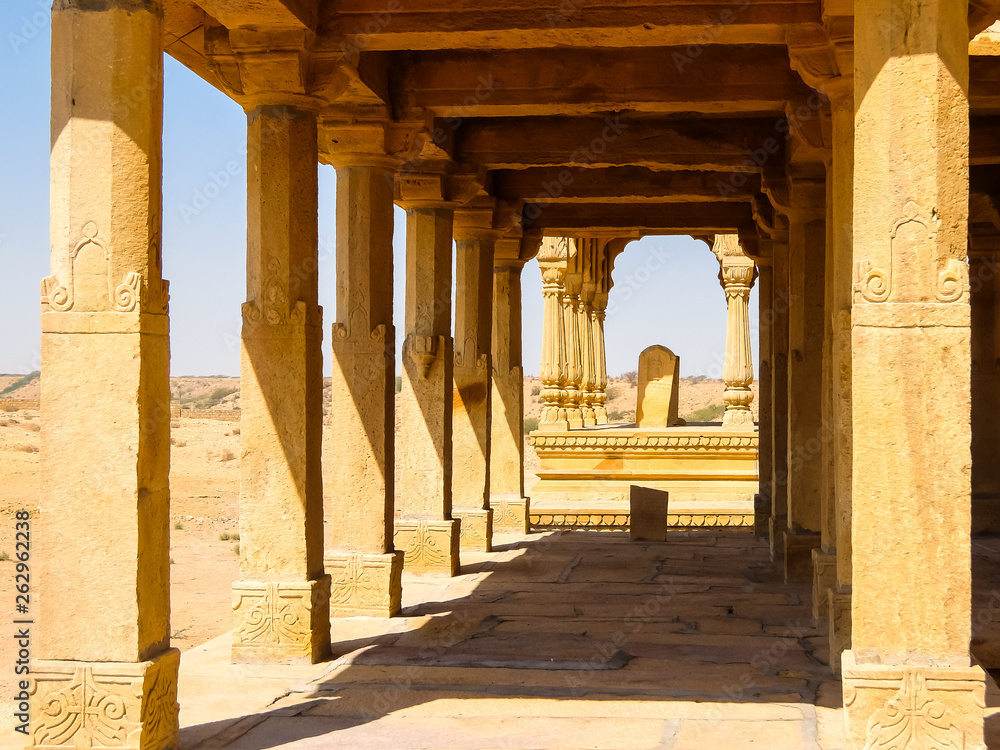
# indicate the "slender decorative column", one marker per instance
pixel 510 506
pixel 365 570
pixel 101 542
pixel 426 531
pixel 472 398
pixel 281 602
pixel 778 315
pixel 762 507
pixel 573 354
pixel 806 254
pixel 552 263
pixel 909 668
pixel 737 272
pixel 588 384
pixel 597 315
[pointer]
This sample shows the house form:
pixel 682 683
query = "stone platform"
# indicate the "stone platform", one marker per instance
pixel 709 470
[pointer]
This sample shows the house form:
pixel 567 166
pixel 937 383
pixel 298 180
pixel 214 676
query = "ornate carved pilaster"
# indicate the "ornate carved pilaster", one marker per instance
pixel 737 275
pixel 572 389
pixel 552 262
pixel 597 316
pixel 588 379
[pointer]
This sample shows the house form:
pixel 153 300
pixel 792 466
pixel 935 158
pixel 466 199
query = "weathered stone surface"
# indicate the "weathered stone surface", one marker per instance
pixel 659 378
pixel 283 622
pixel 429 546
pixel 647 514
pixel 364 585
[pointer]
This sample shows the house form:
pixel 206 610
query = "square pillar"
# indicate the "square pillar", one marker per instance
pixel 425 530
pixel 101 541
pixel 281 602
pixel 909 667
pixel 507 500
pixel 806 258
pixel 779 390
pixel 983 272
pixel 473 396
pixel 365 569
pixel 765 290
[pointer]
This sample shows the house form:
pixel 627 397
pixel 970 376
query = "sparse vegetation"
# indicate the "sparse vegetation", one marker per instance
pixel 530 424
pixel 174 425
pixel 178 443
pixel 536 390
pixel 20 383
pixel 711 413
pixel 399 383
pixel 24 448
pixel 621 416
pixel 631 377
pixel 179 526
pixel 225 536
pixel 32 426
pixel 227 456
pixel 236 431
pixel 612 392
pixel 236 549
pixel 4 557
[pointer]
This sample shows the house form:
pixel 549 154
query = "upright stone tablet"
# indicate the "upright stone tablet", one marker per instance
pixel 659 377
pixel 648 520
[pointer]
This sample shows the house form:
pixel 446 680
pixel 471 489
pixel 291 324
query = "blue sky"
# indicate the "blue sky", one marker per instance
pixel 667 290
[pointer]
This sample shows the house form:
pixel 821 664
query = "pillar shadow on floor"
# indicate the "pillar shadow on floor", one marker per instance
pixel 571 639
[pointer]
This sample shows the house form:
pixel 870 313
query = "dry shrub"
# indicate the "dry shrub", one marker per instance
pixel 33 426
pixel 174 425
pixel 227 456
pixel 236 430
pixel 178 443
pixel 27 448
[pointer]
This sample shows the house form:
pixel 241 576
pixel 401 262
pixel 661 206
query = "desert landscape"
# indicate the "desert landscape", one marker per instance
pixel 205 482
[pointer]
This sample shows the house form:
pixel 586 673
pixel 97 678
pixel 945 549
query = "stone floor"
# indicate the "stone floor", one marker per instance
pixel 565 640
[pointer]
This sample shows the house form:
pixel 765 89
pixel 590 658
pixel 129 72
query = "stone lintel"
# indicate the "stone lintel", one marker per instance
pixel 824 577
pixel 934 707
pixel 130 705
pixel 476 529
pixel 429 546
pixel 286 622
pixel 364 585
pixel 510 513
pixel 798 548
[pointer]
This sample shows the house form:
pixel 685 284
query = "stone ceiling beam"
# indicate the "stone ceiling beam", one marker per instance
pixel 618 185
pixel 672 144
pixel 638 218
pixel 264 14
pixel 471 24
pixel 718 79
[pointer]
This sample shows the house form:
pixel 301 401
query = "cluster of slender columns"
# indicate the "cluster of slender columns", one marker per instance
pixel 576 281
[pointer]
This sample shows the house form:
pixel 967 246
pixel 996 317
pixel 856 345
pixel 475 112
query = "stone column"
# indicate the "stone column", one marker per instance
pixel 101 542
pixel 597 316
pixel 281 602
pixel 472 398
pixel 737 276
pixel 510 506
pixel 836 583
pixel 588 379
pixel 425 529
pixel 806 254
pixel 779 389
pixel 762 506
pixel 573 351
pixel 909 669
pixel 985 403
pixel 552 263
pixel 365 570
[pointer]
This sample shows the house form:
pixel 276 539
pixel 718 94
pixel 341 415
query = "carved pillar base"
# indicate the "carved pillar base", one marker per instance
pixel 824 578
pixel 919 708
pixel 286 622
pixel 476 529
pixel 798 556
pixel 510 514
pixel 364 585
pixel 839 616
pixel 761 514
pixel 429 546
pixel 105 704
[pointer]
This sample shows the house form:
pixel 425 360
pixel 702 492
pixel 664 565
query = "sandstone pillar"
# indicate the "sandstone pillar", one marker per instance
pixel 983 273
pixel 832 577
pixel 472 397
pixel 588 378
pixel 365 569
pixel 778 314
pixel 425 529
pixel 552 264
pixel 281 602
pixel 597 316
pixel 762 506
pixel 806 257
pixel 572 386
pixel 101 543
pixel 510 506
pixel 908 669
pixel 737 276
